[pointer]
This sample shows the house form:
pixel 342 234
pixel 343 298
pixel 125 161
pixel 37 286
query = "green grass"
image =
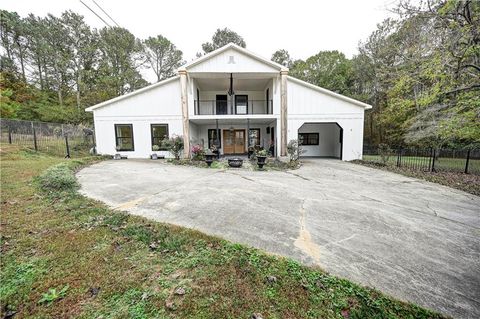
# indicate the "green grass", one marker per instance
pixel 446 164
pixel 119 266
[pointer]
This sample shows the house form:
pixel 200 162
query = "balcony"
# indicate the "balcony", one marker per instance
pixel 239 107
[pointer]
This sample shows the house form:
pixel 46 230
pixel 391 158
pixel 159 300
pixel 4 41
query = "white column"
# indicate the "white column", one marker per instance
pixel 283 113
pixel 185 120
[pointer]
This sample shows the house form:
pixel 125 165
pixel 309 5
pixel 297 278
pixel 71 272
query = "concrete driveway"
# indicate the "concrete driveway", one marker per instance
pixel 411 239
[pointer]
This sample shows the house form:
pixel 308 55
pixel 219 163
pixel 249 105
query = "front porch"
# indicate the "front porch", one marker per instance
pixel 230 137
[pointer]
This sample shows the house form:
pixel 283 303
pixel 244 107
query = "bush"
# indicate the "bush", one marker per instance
pixel 385 152
pixel 294 150
pixel 262 152
pixel 198 153
pixel 58 178
pixel 174 145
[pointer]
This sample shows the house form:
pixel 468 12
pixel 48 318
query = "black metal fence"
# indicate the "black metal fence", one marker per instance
pixel 426 159
pixel 53 138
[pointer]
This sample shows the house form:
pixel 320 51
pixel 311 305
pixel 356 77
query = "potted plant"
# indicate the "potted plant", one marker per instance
pixel 209 156
pixel 117 155
pixel 155 148
pixel 261 157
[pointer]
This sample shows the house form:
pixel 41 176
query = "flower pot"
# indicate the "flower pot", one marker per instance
pixel 117 156
pixel 235 162
pixel 154 156
pixel 261 161
pixel 209 159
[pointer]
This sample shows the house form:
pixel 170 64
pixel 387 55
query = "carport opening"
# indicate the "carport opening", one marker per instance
pixel 321 140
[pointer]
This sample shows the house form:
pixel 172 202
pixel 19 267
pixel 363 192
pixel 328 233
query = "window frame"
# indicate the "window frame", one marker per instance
pixel 258 138
pixel 121 137
pixel 246 103
pixel 153 137
pixel 219 137
pixel 304 139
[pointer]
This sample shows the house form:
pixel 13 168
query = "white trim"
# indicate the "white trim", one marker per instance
pixel 235 47
pixel 121 97
pixel 328 92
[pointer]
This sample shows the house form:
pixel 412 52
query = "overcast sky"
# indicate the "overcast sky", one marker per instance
pixel 302 27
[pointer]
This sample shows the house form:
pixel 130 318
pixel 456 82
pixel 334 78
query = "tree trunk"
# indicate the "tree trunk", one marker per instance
pixel 60 96
pixel 79 79
pixel 22 64
pixel 40 74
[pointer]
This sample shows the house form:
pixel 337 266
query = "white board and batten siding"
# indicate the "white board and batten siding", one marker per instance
pixel 157 105
pixel 160 103
pixel 232 61
pixel 309 105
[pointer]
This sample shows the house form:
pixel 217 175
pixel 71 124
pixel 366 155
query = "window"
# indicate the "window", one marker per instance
pixel 308 138
pixel 124 137
pixel 241 104
pixel 254 137
pixel 159 132
pixel 212 138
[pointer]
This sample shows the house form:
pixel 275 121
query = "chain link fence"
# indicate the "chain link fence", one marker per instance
pixel 57 139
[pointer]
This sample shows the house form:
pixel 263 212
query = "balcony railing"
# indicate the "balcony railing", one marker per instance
pixel 222 107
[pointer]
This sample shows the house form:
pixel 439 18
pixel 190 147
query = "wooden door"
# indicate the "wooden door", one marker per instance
pixel 239 141
pixel 228 142
pixel 233 141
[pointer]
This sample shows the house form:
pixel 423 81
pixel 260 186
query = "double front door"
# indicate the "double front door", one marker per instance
pixel 234 142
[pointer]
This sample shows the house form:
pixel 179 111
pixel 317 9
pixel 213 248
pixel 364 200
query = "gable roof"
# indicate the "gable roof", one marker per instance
pixel 121 97
pixel 237 48
pixel 331 93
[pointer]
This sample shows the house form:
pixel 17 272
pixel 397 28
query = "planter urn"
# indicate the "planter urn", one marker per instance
pixel 209 156
pixel 235 162
pixel 261 161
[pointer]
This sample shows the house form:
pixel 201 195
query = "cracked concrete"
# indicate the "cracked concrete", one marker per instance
pixel 304 240
pixel 412 239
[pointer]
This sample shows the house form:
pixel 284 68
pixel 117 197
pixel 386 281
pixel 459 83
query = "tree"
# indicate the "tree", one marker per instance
pixel 222 37
pixel 13 41
pixel 120 59
pixel 282 57
pixel 83 43
pixel 164 58
pixel 328 69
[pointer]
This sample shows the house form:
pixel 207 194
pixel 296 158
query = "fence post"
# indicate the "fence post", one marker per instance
pixel 9 135
pixel 434 153
pixel 467 161
pixel 399 155
pixel 68 147
pixel 35 139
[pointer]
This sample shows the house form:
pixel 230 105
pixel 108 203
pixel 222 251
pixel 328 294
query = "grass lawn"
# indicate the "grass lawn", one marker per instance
pixel 469 183
pixel 63 255
pixel 441 164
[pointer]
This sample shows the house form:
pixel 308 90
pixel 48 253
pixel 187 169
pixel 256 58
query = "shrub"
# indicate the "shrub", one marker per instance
pixel 198 153
pixel 385 152
pixel 58 178
pixel 262 153
pixel 174 145
pixel 155 148
pixel 294 150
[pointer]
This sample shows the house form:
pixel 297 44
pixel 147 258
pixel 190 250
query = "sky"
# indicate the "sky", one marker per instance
pixel 302 27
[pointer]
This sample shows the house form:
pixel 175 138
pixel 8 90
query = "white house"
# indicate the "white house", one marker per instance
pixel 225 96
